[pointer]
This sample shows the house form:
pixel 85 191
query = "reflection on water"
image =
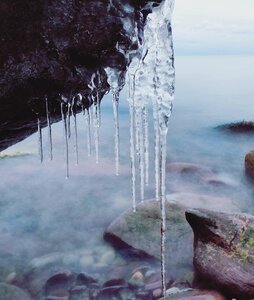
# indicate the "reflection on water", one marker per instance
pixel 42 213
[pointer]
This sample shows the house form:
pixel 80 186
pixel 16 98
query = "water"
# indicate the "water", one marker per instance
pixel 41 213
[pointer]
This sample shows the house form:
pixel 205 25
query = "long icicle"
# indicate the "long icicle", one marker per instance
pixel 40 148
pixel 49 130
pixel 69 120
pixel 96 129
pixel 141 155
pixel 146 143
pixel 88 124
pixel 74 114
pixel 132 139
pixel 66 139
pixel 115 102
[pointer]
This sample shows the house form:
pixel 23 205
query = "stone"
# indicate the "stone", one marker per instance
pixel 85 279
pixel 137 279
pixel 249 164
pixel 79 293
pixel 59 284
pixel 114 282
pixel 238 127
pixel 189 169
pixel 11 292
pixel 193 294
pixel 224 251
pixel 139 232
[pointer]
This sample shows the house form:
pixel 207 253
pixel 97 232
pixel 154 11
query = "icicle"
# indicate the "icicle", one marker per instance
pixel 156 143
pixel 40 149
pixel 69 120
pixel 115 102
pixel 88 124
pixel 141 151
pixel 146 141
pixel 49 130
pixel 132 140
pixel 74 114
pixel 65 127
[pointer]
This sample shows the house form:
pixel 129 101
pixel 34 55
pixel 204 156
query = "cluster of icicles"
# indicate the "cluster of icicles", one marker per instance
pixel 150 77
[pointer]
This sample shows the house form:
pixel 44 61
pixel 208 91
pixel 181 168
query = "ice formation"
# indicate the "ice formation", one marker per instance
pixel 151 81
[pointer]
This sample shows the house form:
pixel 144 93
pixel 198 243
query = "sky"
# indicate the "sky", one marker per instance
pixel 213 27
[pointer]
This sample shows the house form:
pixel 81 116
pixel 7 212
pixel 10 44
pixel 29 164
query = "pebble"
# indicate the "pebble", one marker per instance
pixel 137 279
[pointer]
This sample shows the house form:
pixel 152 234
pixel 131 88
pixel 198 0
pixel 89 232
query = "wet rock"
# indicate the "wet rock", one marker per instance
pixel 114 282
pixel 143 295
pixel 85 279
pixel 190 294
pixel 57 298
pixel 224 251
pixel 137 279
pixel 79 293
pixel 11 292
pixel 249 164
pixel 59 284
pixel 39 270
pixel 196 200
pixel 140 233
pixel 189 169
pixel 108 293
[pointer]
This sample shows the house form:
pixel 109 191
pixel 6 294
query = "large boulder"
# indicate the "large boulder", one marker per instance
pixel 140 232
pixel 249 164
pixel 224 251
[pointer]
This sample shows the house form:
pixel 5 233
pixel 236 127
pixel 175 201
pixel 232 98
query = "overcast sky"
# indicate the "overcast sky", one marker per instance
pixel 221 27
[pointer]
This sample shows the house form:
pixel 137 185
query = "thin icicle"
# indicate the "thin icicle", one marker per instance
pixel 88 124
pixel 115 102
pixel 65 128
pixel 40 148
pixel 146 144
pixel 95 124
pixel 69 120
pixel 132 140
pixel 49 130
pixel 74 114
pixel 156 143
pixel 140 131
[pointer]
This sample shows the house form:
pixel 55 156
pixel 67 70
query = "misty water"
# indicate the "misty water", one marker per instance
pixel 44 214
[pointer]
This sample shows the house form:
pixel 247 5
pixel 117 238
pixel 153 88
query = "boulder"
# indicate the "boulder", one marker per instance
pixel 249 164
pixel 11 292
pixel 224 251
pixel 140 233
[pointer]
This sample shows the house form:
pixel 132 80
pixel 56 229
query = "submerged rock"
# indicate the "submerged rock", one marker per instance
pixel 140 233
pixel 11 292
pixel 238 127
pixel 224 251
pixel 249 164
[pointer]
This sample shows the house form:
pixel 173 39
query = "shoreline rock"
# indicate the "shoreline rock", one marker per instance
pixel 224 251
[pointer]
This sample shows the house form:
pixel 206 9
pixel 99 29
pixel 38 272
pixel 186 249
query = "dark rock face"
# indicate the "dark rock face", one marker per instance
pixel 55 47
pixel 224 251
